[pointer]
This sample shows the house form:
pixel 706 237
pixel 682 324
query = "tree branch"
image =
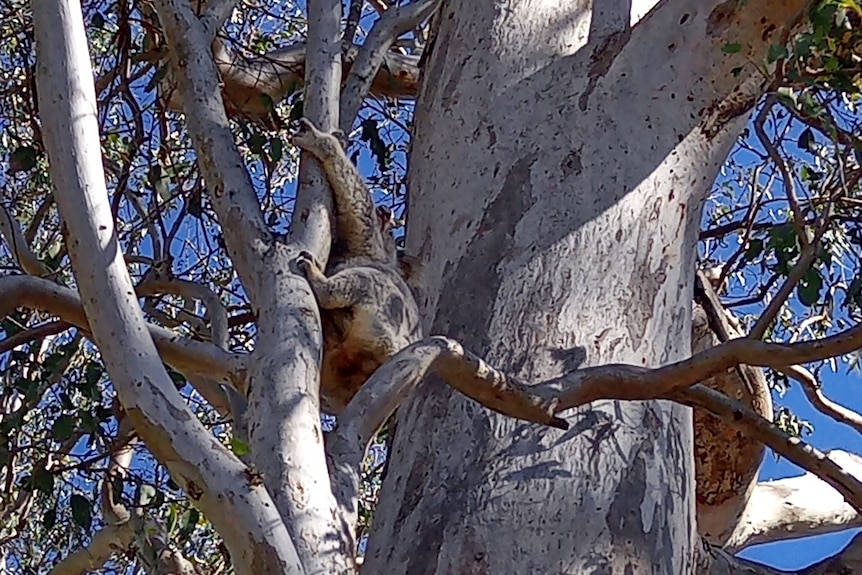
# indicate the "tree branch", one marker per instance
pixel 102 546
pixel 631 382
pixel 384 391
pixel 216 14
pixel 807 255
pixel 218 482
pixel 354 13
pixel 156 282
pixel 789 183
pixel 393 23
pixel 252 86
pixel 796 507
pixel 28 335
pixel 18 246
pixel 185 355
pixel 246 234
pixel 216 313
pixel 766 432
pixel 814 393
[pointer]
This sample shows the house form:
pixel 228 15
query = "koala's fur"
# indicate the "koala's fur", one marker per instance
pixel 367 311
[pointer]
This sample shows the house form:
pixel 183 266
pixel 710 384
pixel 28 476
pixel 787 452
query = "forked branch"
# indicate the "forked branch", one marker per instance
pixel 381 395
pixel 395 21
pixel 782 443
pixel 393 381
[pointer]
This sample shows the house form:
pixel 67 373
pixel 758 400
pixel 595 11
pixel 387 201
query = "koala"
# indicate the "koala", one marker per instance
pixel 367 311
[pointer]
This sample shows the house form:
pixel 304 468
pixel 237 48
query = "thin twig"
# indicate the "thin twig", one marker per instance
pixel 789 182
pixel 18 246
pixel 28 335
pixel 812 389
pixel 796 273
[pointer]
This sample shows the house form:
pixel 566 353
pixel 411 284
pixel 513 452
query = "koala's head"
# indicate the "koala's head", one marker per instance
pixel 319 144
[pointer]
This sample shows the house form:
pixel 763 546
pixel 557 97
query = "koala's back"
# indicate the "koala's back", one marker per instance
pixel 360 338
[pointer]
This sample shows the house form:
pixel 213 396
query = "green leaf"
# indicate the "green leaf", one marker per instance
pixel 754 249
pixel 157 77
pixel 147 494
pixel 81 510
pixel 189 522
pixel 276 149
pixel 49 519
pixel 171 520
pixel 238 446
pixel 256 143
pixel 63 428
pixel 731 48
pixel 806 140
pixel 43 480
pixel 23 159
pixel 809 288
pixel 97 21
pixel 160 181
pixel 776 52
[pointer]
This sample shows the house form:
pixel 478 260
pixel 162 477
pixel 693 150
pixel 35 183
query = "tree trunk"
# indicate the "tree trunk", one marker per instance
pixel 558 167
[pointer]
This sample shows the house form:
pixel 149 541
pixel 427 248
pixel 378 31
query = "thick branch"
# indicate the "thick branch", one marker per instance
pixel 217 12
pixel 766 432
pixel 246 234
pixel 251 86
pixel 102 546
pixel 393 23
pixel 796 507
pixel 219 484
pixel 381 395
pixel 216 314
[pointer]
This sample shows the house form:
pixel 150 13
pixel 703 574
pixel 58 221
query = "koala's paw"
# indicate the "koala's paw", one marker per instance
pixel 306 262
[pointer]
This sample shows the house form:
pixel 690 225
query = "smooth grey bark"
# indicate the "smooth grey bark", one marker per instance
pixel 218 483
pixel 558 167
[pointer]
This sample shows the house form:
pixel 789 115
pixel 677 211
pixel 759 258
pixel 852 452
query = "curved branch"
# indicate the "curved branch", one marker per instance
pixel 366 68
pixel 814 393
pixel 185 355
pixel 102 546
pixel 216 312
pixel 18 246
pixel 384 391
pixel 218 482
